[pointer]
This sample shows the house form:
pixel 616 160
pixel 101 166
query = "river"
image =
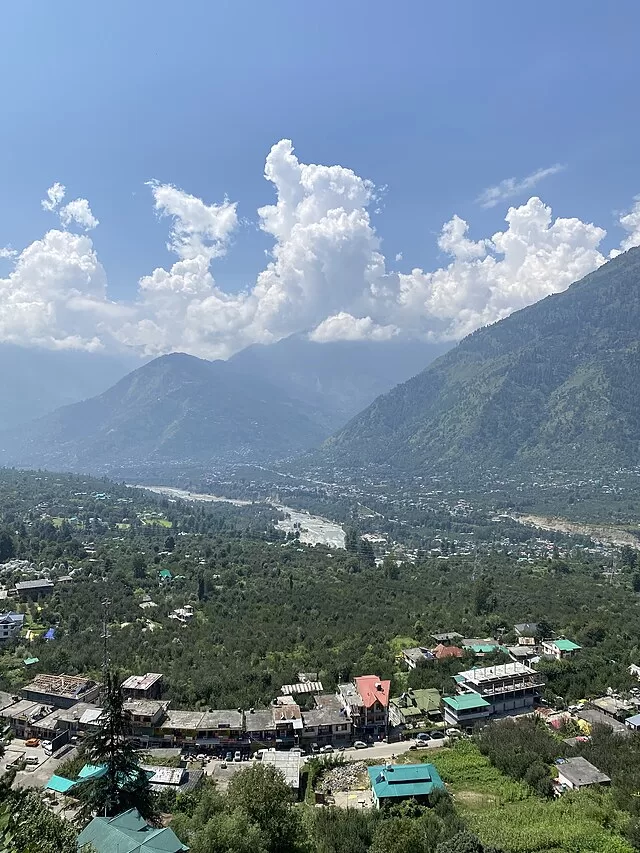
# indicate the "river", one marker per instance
pixel 314 529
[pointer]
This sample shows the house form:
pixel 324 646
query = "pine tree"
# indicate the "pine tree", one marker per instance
pixel 124 785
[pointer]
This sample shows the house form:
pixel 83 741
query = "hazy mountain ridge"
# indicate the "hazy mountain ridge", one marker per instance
pixel 553 384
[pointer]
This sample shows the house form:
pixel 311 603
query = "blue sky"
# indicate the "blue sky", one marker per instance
pixel 431 102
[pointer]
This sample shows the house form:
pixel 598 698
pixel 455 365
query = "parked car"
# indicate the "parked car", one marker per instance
pixel 229 756
pixel 327 748
pixel 360 744
pixel 423 736
pixel 223 763
pixel 47 746
pixel 453 732
pixel 437 735
pixel 33 741
pixel 420 744
pixel 237 756
pixel 297 749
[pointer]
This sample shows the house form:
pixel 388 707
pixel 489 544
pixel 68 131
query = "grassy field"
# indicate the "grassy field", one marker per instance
pixel 507 814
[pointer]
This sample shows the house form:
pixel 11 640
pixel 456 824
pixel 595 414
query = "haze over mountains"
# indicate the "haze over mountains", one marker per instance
pixel 266 401
pixel 555 384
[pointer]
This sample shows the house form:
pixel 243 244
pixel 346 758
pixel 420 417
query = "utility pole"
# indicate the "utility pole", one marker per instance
pixel 106 604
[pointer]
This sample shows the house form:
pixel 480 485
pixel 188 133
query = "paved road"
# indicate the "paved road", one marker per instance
pixel 387 750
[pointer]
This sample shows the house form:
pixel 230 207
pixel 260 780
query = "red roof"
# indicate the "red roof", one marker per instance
pixel 373 690
pixel 441 652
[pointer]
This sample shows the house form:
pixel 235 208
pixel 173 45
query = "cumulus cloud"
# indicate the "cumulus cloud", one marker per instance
pixel 325 273
pixel 55 194
pixel 7 252
pixel 512 187
pixel 78 211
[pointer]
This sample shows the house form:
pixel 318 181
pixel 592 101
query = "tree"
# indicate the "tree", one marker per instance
pixel 28 826
pixel 262 793
pixel 399 835
pixel 139 565
pixel 124 785
pixel 169 543
pixel 7 547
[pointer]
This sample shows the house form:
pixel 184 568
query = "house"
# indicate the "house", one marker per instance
pixel 33 589
pixel 393 783
pixel 61 691
pixel 448 637
pixel 366 702
pixel 145 716
pixel 259 726
pixel 576 773
pixel 302 687
pixel 527 633
pixel 442 652
pixel 128 832
pixel 327 723
pixel 633 722
pixel 416 656
pixel 634 670
pixel 559 649
pixel 522 653
pixel 182 614
pixel 11 625
pixel 465 709
pixel 480 646
pixel 414 708
pixel 287 719
pixel 200 729
pixel 147 686
pixel 615 707
pixel 508 688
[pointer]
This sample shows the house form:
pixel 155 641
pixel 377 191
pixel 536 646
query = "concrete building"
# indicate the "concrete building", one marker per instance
pixel 259 726
pixel 148 686
pixel 196 729
pixel 465 709
pixel 11 625
pixel 288 763
pixel 509 688
pixel 559 649
pixel 528 634
pixel 61 691
pixel 393 783
pixel 33 589
pixel 366 702
pixel 576 773
pixel 415 708
pixel 327 723
pixel 417 656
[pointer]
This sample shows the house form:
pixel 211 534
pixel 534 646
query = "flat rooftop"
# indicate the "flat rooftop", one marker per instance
pixel 69 686
pixel 581 772
pixel 141 682
pixel 483 674
pixel 288 763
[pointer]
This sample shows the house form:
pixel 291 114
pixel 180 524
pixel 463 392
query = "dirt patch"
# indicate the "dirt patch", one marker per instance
pixel 474 799
pixel 599 532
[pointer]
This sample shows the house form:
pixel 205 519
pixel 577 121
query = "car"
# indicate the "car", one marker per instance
pixel 33 741
pixel 237 756
pixel 297 749
pixel 437 735
pixel 360 744
pixel 420 744
pixel 452 732
pixel 47 746
pixel 229 756
pixel 223 764
pixel 327 748
pixel 423 736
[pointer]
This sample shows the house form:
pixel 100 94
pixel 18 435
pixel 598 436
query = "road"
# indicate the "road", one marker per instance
pixel 387 750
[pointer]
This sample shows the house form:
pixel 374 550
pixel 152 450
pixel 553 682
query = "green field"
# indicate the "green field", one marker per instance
pixel 508 815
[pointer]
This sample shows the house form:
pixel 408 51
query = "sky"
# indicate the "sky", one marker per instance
pixel 203 176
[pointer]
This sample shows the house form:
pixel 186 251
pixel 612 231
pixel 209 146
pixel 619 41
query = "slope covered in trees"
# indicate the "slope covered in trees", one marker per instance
pixel 554 385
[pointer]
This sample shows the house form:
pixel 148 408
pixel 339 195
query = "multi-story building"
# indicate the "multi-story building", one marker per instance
pixel 61 691
pixel 559 649
pixel 34 588
pixel 327 723
pixel 509 688
pixel 147 686
pixel 366 702
pixel 199 729
pixel 11 625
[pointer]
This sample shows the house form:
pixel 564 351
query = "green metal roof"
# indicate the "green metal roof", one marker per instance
pixel 165 573
pixel 418 702
pixel 128 833
pixel 30 661
pixel 484 648
pixel 566 645
pixel 59 784
pixel 465 701
pixel 404 780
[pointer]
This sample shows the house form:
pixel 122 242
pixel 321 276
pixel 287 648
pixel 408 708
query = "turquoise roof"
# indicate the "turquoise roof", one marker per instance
pixel 566 645
pixel 59 784
pixel 404 780
pixel 92 771
pixel 465 701
pixel 128 833
pixel 484 648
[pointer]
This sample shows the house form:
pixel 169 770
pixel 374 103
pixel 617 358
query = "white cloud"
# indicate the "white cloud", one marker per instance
pixel 631 224
pixel 78 211
pixel 511 187
pixel 346 327
pixel 6 252
pixel 398 256
pixel 55 194
pixel 325 272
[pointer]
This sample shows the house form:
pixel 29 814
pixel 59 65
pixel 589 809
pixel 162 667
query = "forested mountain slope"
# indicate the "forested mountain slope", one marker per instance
pixel 556 384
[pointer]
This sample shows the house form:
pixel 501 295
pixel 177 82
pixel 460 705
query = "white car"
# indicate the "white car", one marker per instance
pixel 327 748
pixel 360 744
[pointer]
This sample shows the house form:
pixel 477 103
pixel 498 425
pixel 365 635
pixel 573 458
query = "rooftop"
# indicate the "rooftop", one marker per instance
pixel 580 772
pixel 404 780
pixel 69 686
pixel 417 654
pixel 484 674
pixel 526 629
pixel 37 584
pixel 259 720
pixel 564 645
pixel 128 833
pixel 141 682
pixel 288 763
pixel 441 651
pixel 465 701
pixel 415 703
pixel 447 637
pixel 302 687
pixel 373 690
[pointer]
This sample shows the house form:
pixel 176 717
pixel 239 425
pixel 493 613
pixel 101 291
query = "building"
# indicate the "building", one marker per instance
pixel 11 625
pixel 366 702
pixel 259 726
pixel 633 722
pixel 61 691
pixel 417 656
pixel 392 783
pixel 327 723
pixel 615 707
pixel 522 653
pixel 442 652
pixel 415 708
pixel 288 763
pixel 302 687
pixel 559 649
pixel 287 720
pixel 199 729
pixel 448 637
pixel 33 589
pixel 528 633
pixel 128 832
pixel 575 773
pixel 465 709
pixel 147 686
pixel 509 688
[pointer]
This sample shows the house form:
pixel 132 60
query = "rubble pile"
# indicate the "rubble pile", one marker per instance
pixel 344 777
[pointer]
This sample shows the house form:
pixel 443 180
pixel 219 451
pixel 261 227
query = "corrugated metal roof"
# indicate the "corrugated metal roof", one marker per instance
pixel 410 780
pixel 302 687
pixel 465 701
pixel 59 784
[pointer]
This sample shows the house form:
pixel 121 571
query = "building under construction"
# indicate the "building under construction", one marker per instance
pixel 61 691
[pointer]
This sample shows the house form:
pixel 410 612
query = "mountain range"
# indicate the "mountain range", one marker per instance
pixel 555 385
pixel 265 402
